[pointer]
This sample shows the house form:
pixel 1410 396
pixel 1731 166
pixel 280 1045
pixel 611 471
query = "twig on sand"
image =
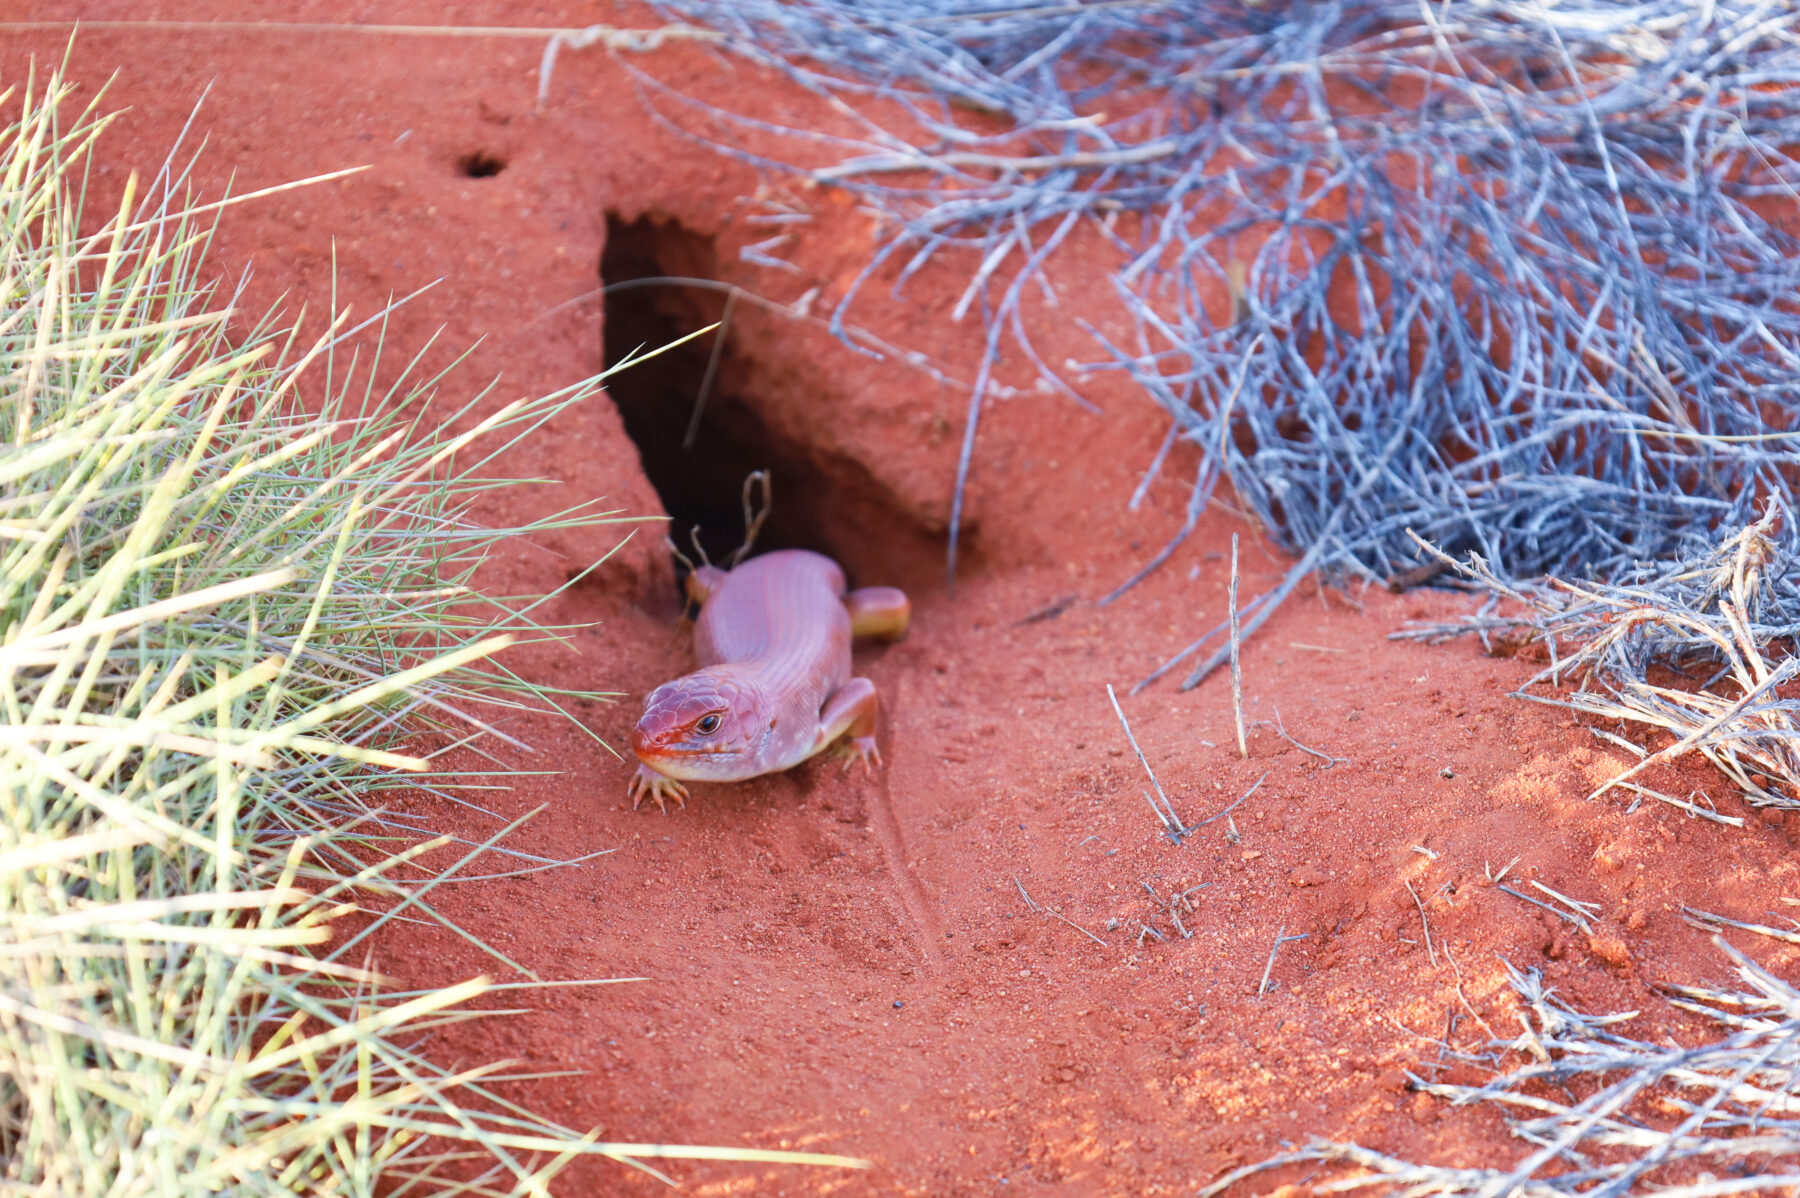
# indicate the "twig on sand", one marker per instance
pixel 1281 731
pixel 1041 909
pixel 1049 611
pixel 1170 821
pixel 1237 670
pixel 1693 809
pixel 1429 950
pixel 1238 802
pixel 1709 922
pixel 1585 910
pixel 1262 987
pixel 1464 998
pixel 1059 915
pixel 1578 920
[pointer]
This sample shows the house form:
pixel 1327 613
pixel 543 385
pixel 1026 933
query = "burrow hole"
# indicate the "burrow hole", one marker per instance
pixel 479 164
pixel 823 500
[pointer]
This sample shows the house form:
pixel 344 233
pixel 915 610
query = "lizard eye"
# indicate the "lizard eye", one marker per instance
pixel 708 724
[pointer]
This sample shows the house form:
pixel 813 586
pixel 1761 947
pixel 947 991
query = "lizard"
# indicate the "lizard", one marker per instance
pixel 774 685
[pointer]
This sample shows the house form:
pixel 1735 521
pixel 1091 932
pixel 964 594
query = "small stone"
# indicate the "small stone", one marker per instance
pixel 898 1003
pixel 1307 875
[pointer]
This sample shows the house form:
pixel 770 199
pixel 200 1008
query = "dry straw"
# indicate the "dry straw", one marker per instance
pixel 1510 274
pixel 1605 1114
pixel 229 623
pixel 1698 651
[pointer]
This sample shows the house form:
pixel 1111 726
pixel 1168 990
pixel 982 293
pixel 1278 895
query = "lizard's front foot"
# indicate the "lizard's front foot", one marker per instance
pixel 860 748
pixel 660 787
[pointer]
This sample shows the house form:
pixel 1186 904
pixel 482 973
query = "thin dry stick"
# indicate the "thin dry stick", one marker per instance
pixel 1052 911
pixel 712 369
pixel 1262 987
pixel 1171 821
pixel 1234 805
pixel 1590 910
pixel 1174 829
pixel 1464 998
pixel 1710 922
pixel 1237 671
pixel 1281 731
pixel 1076 926
pixel 1577 920
pixel 1693 809
pixel 1429 950
pixel 754 518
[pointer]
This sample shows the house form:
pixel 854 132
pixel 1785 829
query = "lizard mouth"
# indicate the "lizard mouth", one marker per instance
pixel 663 746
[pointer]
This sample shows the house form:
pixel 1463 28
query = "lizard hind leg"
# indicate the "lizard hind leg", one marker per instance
pixel 850 713
pixel 882 612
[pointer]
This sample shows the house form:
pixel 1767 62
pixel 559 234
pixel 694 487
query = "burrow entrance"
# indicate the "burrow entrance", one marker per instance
pixel 823 501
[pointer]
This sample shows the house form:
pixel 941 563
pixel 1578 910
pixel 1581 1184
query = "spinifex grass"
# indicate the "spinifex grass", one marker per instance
pixel 1722 627
pixel 228 618
pixel 1608 1115
pixel 1515 275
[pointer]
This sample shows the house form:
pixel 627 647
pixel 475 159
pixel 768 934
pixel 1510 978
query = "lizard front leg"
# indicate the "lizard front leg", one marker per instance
pixel 660 787
pixel 851 709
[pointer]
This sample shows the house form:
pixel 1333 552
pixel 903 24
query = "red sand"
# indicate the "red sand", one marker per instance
pixel 849 964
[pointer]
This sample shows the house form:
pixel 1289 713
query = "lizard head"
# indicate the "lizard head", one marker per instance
pixel 703 727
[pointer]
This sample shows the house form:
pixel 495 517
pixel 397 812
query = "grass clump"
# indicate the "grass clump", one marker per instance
pixel 1605 1113
pixel 1697 653
pixel 229 620
pixel 1512 275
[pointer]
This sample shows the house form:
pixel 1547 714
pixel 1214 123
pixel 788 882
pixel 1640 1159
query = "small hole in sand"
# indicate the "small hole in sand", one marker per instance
pixel 479 164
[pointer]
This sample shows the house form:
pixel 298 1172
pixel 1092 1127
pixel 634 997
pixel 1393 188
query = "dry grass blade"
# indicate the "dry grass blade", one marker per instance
pixel 1603 1113
pixel 1572 354
pixel 1165 814
pixel 1237 669
pixel 1700 651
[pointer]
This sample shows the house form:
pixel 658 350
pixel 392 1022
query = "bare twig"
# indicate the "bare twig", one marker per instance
pixel 1237 672
pixel 1235 803
pixel 754 517
pixel 720 332
pixel 1712 923
pixel 1577 919
pixel 1053 912
pixel 1282 732
pixel 1262 987
pixel 1423 922
pixel 1585 910
pixel 1170 820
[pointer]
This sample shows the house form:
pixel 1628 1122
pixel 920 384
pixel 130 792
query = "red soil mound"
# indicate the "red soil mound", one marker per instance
pixel 852 964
